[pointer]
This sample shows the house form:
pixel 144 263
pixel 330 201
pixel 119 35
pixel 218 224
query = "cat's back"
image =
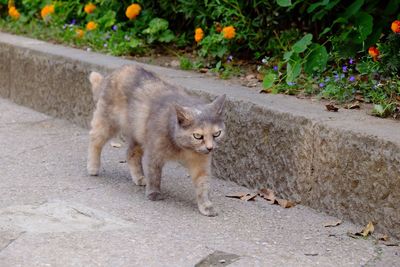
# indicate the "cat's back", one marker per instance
pixel 139 84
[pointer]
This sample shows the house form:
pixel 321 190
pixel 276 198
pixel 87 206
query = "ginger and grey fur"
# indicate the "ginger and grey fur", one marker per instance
pixel 160 122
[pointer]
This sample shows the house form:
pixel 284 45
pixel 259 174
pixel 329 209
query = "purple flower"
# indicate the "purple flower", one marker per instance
pixel 114 27
pixel 327 79
pixel 275 68
pixel 321 85
pixel 105 45
pixel 344 68
pixel 291 83
pixel 352 78
pixel 230 58
pixel 336 77
pixel 351 61
pixel 73 22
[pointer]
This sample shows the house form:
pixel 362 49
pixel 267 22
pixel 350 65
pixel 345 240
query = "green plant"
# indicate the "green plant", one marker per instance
pixel 158 31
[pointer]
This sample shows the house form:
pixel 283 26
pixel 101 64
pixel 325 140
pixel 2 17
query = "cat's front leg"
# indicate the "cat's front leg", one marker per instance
pixel 200 172
pixel 152 167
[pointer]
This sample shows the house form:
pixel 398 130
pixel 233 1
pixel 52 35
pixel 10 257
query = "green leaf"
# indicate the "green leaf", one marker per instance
pixel 287 55
pixel 167 36
pixel 316 61
pixel 364 23
pixel 302 44
pixel 293 70
pixel 269 80
pixel 353 9
pixel 312 7
pixel 284 3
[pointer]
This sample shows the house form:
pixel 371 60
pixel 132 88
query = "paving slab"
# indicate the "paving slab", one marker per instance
pixel 53 214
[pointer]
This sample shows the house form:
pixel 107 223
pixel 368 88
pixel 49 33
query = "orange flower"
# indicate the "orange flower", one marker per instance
pixel 13 12
pixel 79 33
pixel 89 8
pixel 396 26
pixel 132 11
pixel 198 35
pixel 373 52
pixel 47 10
pixel 91 26
pixel 229 32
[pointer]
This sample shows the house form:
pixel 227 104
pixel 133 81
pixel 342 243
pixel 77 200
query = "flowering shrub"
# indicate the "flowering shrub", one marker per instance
pixel 297 45
pixel 46 11
pixel 133 11
pixel 89 8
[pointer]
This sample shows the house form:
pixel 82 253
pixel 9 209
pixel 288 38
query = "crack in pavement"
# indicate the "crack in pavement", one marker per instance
pixel 12 240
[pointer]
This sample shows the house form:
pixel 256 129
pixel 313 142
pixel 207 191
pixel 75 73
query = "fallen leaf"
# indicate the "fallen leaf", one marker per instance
pixel 243 196
pixel 352 235
pixel 359 97
pixel 384 238
pixel 260 77
pixel 333 224
pixel 236 195
pixel 249 197
pixel 285 203
pixel 115 144
pixel 122 161
pixel 355 105
pixel 331 107
pixel 369 229
pixel 203 70
pixel 267 194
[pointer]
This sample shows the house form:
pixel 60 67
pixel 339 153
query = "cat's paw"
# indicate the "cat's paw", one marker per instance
pixel 208 210
pixel 154 196
pixel 139 181
pixel 92 171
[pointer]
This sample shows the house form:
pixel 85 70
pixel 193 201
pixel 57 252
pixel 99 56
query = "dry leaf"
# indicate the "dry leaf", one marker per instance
pixel 355 105
pixel 249 197
pixel 333 224
pixel 203 70
pixel 384 238
pixel 236 195
pixel 267 194
pixel 115 144
pixel 243 196
pixel 352 235
pixel 369 229
pixel 285 203
pixel 359 97
pixel 331 107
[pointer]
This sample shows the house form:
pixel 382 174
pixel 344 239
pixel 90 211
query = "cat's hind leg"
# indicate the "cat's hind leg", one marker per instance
pixel 134 159
pixel 101 132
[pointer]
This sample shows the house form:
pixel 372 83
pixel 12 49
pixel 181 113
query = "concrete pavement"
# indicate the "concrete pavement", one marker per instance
pixel 53 214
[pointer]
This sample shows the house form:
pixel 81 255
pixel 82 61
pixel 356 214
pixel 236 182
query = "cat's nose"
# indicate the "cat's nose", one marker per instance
pixel 209 149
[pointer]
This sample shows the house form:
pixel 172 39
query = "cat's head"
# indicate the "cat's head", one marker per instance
pixel 201 127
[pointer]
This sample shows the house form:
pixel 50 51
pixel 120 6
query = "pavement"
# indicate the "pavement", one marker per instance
pixel 53 214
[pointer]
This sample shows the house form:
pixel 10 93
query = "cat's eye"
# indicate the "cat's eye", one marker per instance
pixel 198 136
pixel 217 134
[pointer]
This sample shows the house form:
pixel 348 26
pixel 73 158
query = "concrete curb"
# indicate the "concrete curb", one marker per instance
pixel 346 164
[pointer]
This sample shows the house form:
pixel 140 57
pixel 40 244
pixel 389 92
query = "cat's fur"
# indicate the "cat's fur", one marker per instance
pixel 160 122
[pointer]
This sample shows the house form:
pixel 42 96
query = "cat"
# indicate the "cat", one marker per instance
pixel 160 122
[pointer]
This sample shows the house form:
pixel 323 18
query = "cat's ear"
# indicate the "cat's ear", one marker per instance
pixel 218 105
pixel 184 115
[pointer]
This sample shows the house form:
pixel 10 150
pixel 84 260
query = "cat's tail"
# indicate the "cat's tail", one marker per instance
pixel 95 79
